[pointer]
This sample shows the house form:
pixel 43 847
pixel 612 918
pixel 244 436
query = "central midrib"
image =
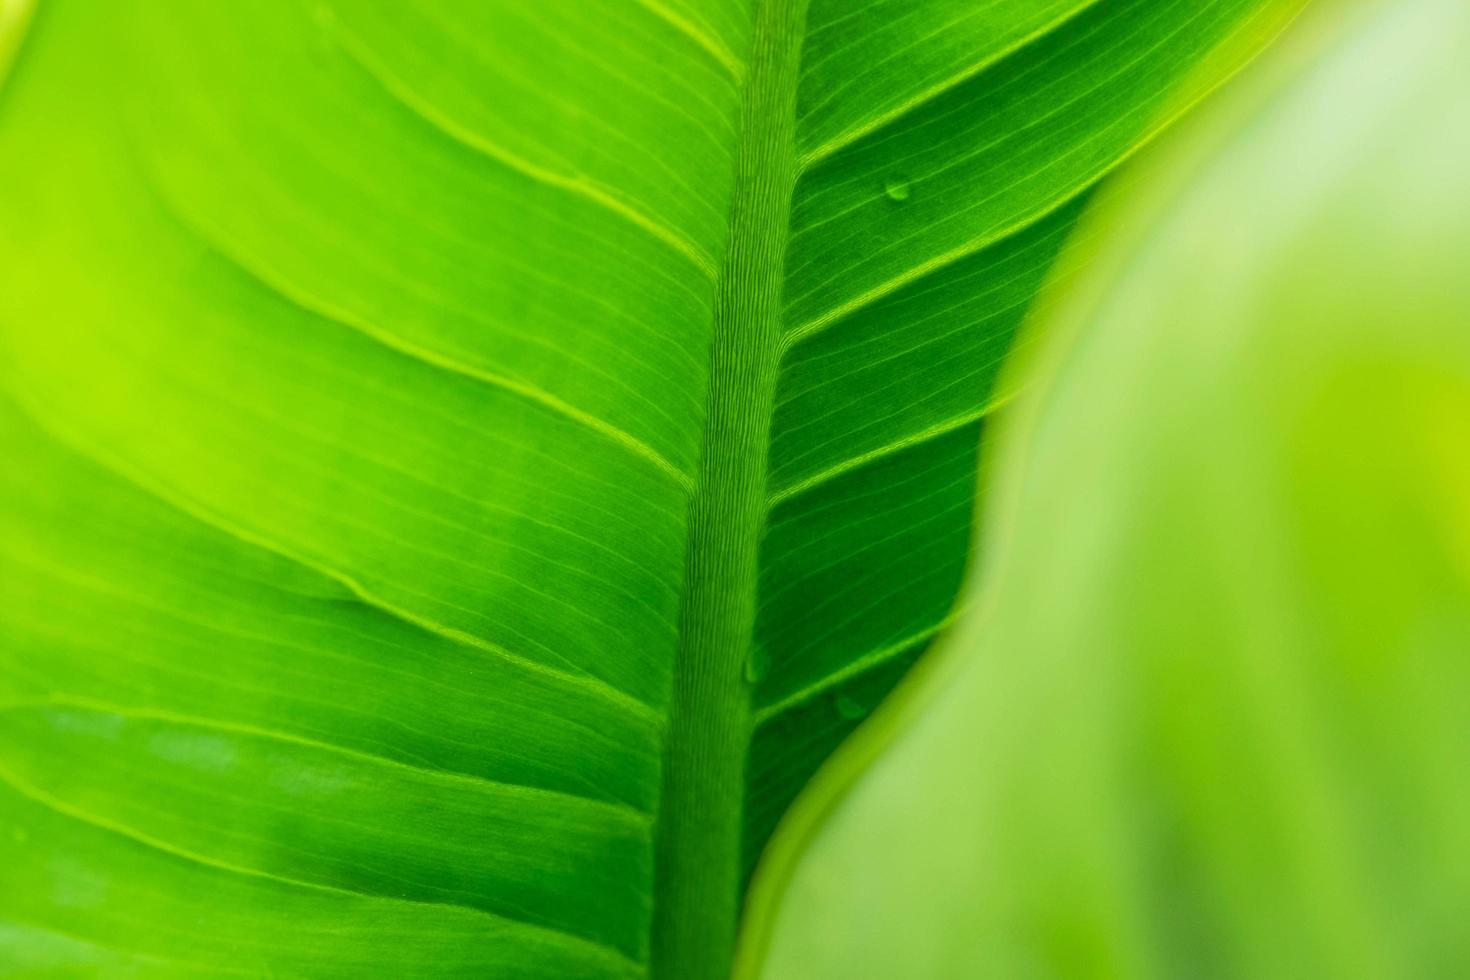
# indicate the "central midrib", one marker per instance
pixel 698 879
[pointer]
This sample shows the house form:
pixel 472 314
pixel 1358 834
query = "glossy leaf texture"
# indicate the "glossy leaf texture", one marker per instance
pixel 355 360
pixel 1209 716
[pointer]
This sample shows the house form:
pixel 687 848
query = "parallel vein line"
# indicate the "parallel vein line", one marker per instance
pixel 689 29
pixel 887 449
pixel 207 516
pixel 877 529
pixel 575 184
pixel 358 755
pixel 816 155
pixel 284 288
pixel 853 668
pixel 313 680
pixel 40 796
pixel 870 296
pixel 866 298
pixel 1055 110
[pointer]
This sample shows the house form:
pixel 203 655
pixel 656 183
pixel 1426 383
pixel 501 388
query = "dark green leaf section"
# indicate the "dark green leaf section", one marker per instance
pixel 919 235
pixel 468 463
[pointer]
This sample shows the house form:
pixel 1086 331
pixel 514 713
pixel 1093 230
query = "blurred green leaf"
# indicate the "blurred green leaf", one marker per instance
pixel 1211 718
pixel 468 463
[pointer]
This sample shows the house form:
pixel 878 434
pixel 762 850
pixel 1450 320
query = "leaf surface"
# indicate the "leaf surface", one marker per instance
pixel 468 464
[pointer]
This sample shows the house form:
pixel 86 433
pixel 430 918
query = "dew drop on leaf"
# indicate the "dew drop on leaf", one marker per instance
pixel 897 188
pixel 849 708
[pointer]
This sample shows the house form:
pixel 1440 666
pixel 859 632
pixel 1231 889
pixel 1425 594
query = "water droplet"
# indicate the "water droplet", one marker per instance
pixel 849 708
pixel 757 665
pixel 897 188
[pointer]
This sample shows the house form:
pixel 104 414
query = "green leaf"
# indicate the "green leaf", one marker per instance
pixel 1209 717
pixel 467 464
